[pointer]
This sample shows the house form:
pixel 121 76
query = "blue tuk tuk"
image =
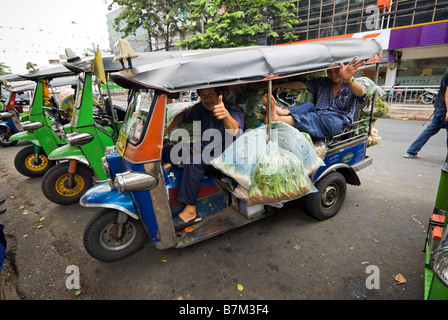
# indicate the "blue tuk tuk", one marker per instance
pixel 139 198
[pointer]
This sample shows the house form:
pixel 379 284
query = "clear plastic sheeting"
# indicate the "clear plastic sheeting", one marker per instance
pixel 300 144
pixel 272 170
pixel 278 177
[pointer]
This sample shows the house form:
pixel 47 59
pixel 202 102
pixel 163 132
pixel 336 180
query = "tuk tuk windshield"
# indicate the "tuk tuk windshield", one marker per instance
pixel 139 110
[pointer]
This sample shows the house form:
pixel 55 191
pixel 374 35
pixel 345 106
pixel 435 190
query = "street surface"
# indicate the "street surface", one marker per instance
pixel 288 256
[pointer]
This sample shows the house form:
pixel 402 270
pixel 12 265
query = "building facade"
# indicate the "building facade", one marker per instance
pixel 138 41
pixel 413 33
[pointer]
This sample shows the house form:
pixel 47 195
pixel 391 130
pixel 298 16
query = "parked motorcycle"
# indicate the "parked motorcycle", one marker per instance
pixel 44 128
pixel 428 96
pixel 80 161
pixel 11 114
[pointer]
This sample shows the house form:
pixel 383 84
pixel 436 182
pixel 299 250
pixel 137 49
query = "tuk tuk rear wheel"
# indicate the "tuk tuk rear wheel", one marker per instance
pixel 24 162
pixel 4 138
pixel 55 184
pixel 330 195
pixel 100 239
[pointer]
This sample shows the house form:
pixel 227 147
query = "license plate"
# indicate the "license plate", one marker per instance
pixel 121 142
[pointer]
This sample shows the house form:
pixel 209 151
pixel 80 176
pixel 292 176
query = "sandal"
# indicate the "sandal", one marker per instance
pixel 179 223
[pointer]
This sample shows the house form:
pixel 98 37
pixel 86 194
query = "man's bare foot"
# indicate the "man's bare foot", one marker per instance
pixel 189 213
pixel 274 107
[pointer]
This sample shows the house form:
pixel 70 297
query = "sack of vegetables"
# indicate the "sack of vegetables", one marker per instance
pixel 299 143
pixel 278 177
pixel 289 156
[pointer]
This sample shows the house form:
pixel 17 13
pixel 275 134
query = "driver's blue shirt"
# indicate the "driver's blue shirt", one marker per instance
pixel 208 121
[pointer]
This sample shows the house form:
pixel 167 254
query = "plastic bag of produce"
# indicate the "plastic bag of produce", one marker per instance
pixel 278 177
pixel 239 159
pixel 274 171
pixel 371 88
pixel 254 111
pixel 289 98
pixel 300 144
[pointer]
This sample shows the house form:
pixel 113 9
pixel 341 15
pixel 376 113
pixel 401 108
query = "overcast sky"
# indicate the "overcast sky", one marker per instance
pixel 36 31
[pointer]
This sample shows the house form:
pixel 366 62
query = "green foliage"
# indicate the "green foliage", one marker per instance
pixel 240 23
pixel 162 19
pixel 216 23
pixel 4 69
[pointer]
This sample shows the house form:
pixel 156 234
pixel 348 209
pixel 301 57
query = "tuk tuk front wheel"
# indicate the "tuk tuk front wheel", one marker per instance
pixel 101 241
pixel 27 164
pixel 4 138
pixel 330 195
pixel 56 184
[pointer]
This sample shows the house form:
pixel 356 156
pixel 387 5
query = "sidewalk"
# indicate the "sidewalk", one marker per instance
pixel 410 112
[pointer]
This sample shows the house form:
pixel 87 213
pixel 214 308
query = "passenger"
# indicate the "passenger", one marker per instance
pixel 334 107
pixel 213 113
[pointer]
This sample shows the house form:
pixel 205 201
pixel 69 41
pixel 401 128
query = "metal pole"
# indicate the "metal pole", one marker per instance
pixel 377 70
pixel 269 108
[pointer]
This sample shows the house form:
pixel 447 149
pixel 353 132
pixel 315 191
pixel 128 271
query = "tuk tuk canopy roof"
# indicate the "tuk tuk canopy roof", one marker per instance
pixel 86 64
pixel 19 86
pixel 47 73
pixel 219 67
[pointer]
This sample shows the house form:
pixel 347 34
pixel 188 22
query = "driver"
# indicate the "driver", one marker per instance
pixel 213 113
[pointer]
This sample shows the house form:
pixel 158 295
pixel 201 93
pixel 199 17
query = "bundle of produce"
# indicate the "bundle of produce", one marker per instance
pixel 299 143
pixel 277 166
pixel 289 97
pixel 239 159
pixel 278 177
pixel 254 111
pixel 371 88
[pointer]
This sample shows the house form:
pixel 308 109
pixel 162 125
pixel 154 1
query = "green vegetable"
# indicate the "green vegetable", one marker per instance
pixel 278 176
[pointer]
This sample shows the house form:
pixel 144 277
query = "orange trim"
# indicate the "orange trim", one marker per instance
pixel 420 24
pixel 437 233
pixel 150 148
pixel 72 164
pixel 438 218
pixel 372 35
pixel 343 36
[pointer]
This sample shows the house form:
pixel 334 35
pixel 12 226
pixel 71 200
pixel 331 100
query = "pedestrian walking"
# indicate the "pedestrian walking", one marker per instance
pixel 439 120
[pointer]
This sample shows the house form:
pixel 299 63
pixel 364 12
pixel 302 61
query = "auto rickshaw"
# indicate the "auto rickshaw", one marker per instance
pixel 89 136
pixel 11 114
pixel 44 128
pixel 436 244
pixel 139 197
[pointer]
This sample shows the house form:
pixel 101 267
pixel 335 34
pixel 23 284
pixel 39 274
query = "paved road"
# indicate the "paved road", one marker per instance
pixel 286 256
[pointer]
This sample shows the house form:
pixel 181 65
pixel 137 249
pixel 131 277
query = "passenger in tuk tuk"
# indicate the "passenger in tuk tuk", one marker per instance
pixel 213 113
pixel 336 97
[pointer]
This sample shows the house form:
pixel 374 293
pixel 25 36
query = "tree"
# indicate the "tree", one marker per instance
pixel 4 69
pixel 233 23
pixel 161 18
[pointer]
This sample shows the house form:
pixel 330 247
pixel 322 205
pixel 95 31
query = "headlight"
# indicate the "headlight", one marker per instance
pixel 31 125
pixel 105 165
pixel 440 264
pixel 134 181
pixel 5 115
pixel 78 138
